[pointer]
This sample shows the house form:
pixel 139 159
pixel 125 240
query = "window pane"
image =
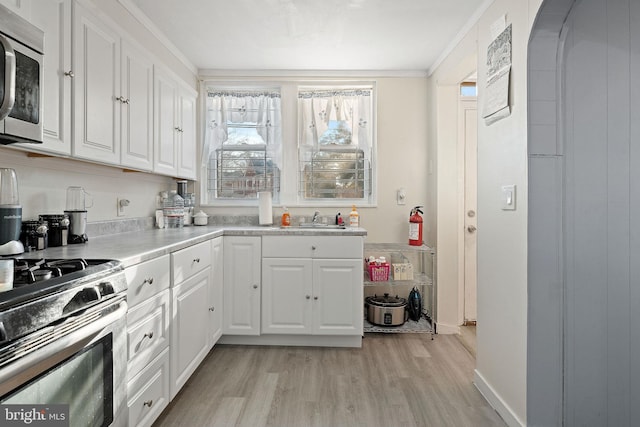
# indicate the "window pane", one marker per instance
pixel 335 175
pixel 242 174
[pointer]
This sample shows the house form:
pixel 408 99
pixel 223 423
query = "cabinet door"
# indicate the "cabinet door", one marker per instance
pixel 137 108
pixel 165 152
pixel 215 290
pixel 54 18
pixel 242 257
pixel 189 335
pixel 187 132
pixel 286 295
pixel 338 301
pixel 96 87
pixel 21 7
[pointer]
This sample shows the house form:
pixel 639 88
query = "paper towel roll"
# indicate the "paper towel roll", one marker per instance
pixel 265 210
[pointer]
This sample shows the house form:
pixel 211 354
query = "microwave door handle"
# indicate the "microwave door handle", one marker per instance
pixel 9 78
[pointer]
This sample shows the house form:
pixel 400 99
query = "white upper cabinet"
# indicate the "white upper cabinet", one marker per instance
pixel 22 7
pixel 137 108
pixel 165 155
pixel 187 147
pixel 54 18
pixel 96 98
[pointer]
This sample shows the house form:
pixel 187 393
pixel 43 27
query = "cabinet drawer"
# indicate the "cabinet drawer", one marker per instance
pixel 312 247
pixel 148 392
pixel 189 261
pixel 147 332
pixel 147 279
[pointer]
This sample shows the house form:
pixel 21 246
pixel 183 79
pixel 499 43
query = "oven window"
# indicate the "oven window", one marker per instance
pixel 26 106
pixel 84 382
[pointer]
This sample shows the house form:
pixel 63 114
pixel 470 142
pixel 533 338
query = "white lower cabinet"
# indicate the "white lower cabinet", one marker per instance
pixel 148 392
pixel 215 290
pixel 189 332
pixel 312 296
pixel 242 255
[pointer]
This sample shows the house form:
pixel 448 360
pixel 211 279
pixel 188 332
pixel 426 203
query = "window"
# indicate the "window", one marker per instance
pixel 468 89
pixel 311 143
pixel 334 143
pixel 242 144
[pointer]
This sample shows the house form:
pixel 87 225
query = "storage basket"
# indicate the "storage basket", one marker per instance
pixel 379 273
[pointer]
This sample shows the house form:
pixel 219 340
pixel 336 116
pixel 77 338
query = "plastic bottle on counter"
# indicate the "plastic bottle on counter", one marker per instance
pixel 354 218
pixel 173 210
pixel 286 218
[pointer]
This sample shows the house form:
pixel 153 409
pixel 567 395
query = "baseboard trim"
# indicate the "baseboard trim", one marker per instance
pixel 448 329
pixel 496 401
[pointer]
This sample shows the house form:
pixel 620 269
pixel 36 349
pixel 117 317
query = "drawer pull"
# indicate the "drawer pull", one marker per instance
pixel 196 260
pixel 148 280
pixel 148 403
pixel 69 74
pixel 313 248
pixel 212 309
pixel 308 296
pixel 315 298
pixel 255 286
pixel 148 335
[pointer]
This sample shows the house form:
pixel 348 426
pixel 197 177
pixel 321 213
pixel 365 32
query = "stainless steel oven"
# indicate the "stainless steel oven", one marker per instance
pixel 74 355
pixel 21 79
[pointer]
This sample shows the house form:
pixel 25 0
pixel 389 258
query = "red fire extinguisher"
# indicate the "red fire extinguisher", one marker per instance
pixel 415 227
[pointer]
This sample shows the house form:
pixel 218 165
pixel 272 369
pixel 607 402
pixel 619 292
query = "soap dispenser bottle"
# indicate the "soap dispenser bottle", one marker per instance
pixel 286 218
pixel 354 218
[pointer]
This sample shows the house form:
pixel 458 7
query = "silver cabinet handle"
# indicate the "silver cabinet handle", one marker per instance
pixel 196 260
pixel 121 99
pixel 212 309
pixel 69 74
pixel 471 229
pixel 6 104
pixel 255 286
pixel 315 298
pixel 313 248
pixel 148 280
pixel 148 335
pixel 308 296
pixel 148 403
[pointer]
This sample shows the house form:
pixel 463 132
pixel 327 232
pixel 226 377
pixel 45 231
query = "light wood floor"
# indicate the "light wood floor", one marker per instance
pixel 393 380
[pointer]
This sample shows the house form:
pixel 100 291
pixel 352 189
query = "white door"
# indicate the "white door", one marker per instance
pixel 96 87
pixel 189 334
pixel 242 258
pixel 54 18
pixel 215 290
pixel 286 295
pixel 338 300
pixel 165 153
pixel 469 134
pixel 137 108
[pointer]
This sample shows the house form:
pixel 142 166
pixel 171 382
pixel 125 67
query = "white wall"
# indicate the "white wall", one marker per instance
pixel 42 184
pixel 502 242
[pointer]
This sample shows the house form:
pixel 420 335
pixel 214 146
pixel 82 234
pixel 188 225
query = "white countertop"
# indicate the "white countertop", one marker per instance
pixel 138 246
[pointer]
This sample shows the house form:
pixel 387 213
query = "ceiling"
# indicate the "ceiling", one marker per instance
pixel 380 35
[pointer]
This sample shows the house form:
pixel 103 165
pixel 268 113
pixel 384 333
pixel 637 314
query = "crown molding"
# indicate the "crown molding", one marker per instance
pixel 217 73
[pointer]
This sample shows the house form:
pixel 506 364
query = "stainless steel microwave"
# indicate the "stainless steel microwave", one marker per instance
pixel 21 79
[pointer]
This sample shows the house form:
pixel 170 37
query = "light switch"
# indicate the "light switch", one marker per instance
pixel 509 197
pixel 401 196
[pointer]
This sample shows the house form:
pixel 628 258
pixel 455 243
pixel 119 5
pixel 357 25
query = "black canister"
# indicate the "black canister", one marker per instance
pixel 34 235
pixel 58 229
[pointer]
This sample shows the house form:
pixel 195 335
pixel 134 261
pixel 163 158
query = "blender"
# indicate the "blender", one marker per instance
pixel 77 212
pixel 10 214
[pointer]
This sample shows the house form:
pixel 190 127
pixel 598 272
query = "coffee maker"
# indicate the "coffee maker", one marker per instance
pixel 10 214
pixel 77 213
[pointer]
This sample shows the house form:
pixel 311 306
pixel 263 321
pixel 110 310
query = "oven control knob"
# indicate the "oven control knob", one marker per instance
pixel 91 294
pixel 106 288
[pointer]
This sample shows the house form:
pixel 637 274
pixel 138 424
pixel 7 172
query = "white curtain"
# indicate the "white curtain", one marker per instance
pixel 259 108
pixel 318 108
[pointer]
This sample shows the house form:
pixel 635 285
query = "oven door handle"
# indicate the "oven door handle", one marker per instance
pixel 33 364
pixel 9 78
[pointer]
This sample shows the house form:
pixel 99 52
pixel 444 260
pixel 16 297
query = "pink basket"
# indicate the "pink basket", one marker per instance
pixel 379 273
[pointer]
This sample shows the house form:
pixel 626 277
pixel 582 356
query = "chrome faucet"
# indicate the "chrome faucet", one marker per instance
pixel 315 217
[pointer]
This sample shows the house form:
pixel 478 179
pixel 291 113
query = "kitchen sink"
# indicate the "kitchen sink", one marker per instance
pixel 321 226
